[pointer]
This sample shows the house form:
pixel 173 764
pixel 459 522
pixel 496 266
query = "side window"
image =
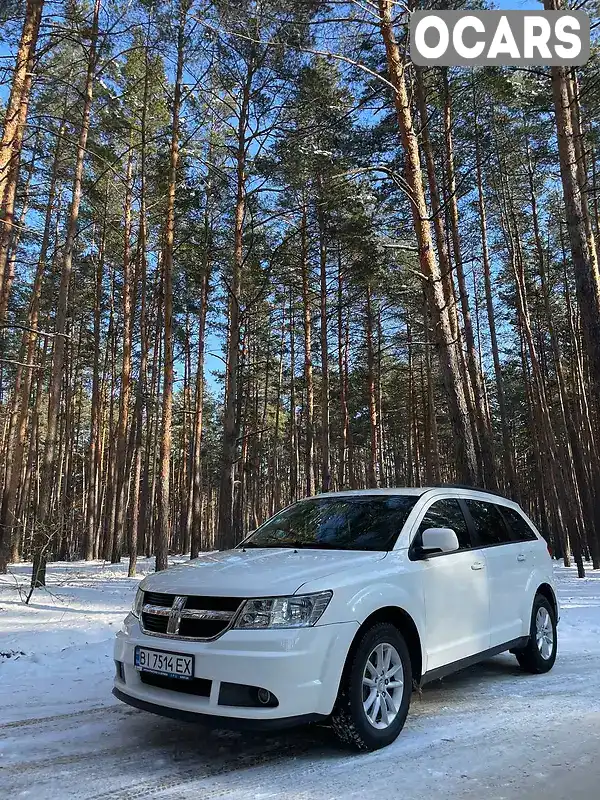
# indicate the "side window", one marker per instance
pixel 489 523
pixel 518 526
pixel 446 514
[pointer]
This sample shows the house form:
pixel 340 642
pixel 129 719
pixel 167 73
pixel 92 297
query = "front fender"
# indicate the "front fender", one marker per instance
pixel 391 584
pixel 369 600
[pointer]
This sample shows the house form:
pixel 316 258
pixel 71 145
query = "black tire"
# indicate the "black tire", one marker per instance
pixel 349 719
pixel 531 658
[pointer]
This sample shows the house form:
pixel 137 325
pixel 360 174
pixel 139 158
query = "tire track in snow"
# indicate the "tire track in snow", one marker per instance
pixel 272 753
pixel 23 723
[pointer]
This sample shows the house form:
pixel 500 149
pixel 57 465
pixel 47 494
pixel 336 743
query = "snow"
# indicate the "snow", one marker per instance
pixel 488 731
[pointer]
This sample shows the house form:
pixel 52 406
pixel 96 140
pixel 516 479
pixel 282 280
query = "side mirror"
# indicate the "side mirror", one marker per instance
pixel 438 540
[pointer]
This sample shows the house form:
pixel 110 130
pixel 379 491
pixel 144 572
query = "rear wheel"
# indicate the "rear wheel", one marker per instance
pixel 375 690
pixel 539 654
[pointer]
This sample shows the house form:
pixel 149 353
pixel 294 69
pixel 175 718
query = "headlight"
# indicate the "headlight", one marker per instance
pixel 298 611
pixel 136 609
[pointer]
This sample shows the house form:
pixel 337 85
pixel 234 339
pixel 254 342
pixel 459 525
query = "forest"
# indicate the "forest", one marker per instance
pixel 249 252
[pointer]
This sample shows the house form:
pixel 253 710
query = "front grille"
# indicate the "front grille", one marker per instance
pixel 156 599
pixel 188 617
pixel 197 686
pixel 213 603
pixel 154 623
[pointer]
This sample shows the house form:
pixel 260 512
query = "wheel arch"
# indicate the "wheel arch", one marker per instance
pixel 401 620
pixel 548 592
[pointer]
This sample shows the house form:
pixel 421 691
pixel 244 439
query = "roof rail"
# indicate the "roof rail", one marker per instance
pixel 466 486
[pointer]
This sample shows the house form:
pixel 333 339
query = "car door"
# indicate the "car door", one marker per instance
pixel 455 590
pixel 507 566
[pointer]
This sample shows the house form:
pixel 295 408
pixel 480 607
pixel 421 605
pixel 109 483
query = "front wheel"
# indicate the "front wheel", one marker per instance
pixel 375 690
pixel 539 654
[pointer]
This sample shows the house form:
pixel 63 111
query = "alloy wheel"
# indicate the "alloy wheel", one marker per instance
pixel 544 633
pixel 382 685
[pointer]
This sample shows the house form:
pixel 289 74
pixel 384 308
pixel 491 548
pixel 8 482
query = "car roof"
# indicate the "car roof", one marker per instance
pixel 409 490
pixel 415 491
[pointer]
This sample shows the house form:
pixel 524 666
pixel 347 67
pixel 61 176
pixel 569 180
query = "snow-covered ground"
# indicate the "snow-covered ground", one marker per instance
pixel 489 731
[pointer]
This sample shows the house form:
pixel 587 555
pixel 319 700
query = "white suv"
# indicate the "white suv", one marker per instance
pixel 336 608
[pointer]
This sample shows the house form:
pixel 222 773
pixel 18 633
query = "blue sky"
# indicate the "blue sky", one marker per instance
pixel 520 5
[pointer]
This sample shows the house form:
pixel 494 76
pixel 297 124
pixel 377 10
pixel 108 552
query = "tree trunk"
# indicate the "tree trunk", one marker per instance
pixel 294 449
pixel 227 533
pixel 128 303
pixel 466 461
pixel 17 431
pixel 372 470
pixel 15 119
pixel 509 467
pixel 583 251
pixel 137 521
pixel 43 535
pixel 308 370
pixel 197 539
pixel 482 420
pixel 345 417
pixel 163 527
pixel 325 434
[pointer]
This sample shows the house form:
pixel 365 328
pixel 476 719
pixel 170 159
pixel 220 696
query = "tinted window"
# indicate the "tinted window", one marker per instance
pixel 489 523
pixel 337 523
pixel 519 528
pixel 447 514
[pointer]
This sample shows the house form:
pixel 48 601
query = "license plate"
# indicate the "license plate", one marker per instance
pixel 161 662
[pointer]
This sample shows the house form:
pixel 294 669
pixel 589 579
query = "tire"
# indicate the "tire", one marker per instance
pixel 350 719
pixel 539 654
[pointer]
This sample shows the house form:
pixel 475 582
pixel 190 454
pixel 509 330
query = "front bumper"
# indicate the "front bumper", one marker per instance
pixel 301 667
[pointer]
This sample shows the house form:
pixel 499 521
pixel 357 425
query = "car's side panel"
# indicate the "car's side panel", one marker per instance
pixel 509 569
pixel 532 568
pixel 511 581
pixel 456 591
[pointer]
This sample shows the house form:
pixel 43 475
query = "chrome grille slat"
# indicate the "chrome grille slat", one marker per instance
pixel 190 613
pixel 177 621
pixel 161 611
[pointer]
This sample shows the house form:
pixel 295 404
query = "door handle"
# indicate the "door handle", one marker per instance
pixel 521 557
pixel 477 565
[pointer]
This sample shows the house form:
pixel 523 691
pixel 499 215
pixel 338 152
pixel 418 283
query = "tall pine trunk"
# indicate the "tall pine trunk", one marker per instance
pixel 127 304
pixel 227 533
pixel 308 369
pixel 482 420
pixel 466 461
pixel 43 535
pixel 507 450
pixel 583 251
pixel 164 518
pixel 15 120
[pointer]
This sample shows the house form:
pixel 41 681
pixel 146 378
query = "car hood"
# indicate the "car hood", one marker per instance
pixel 255 573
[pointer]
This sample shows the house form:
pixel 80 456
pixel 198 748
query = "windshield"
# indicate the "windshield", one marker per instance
pixel 337 523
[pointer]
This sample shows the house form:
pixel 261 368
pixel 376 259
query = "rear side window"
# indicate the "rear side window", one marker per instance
pixel 489 523
pixel 518 526
pixel 446 514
